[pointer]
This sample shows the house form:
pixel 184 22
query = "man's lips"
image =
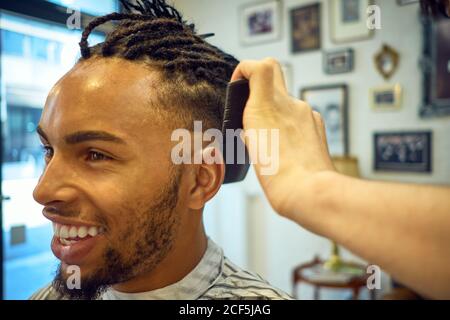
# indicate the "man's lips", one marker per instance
pixel 73 240
pixel 75 252
pixel 60 219
pixel 71 244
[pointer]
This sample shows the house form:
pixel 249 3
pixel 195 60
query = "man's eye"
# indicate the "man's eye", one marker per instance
pixel 97 156
pixel 48 152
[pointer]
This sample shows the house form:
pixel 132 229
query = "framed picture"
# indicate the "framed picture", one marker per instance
pixel 349 20
pixel 305 28
pixel 386 98
pixel 260 22
pixel 339 61
pixel 403 151
pixel 387 60
pixel 436 67
pixel 331 102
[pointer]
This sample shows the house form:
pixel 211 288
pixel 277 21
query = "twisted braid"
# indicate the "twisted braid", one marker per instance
pixel 84 46
pixel 156 32
pixel 141 29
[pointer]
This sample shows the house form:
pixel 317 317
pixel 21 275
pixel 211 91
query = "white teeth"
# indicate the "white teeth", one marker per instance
pixel 69 232
pixel 82 232
pixel 64 232
pixel 73 232
pixel 67 242
pixel 56 228
pixel 93 231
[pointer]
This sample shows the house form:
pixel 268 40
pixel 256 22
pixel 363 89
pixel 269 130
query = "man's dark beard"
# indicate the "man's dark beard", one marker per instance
pixel 160 228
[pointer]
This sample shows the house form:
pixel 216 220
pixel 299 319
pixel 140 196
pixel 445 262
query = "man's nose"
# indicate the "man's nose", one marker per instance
pixel 56 184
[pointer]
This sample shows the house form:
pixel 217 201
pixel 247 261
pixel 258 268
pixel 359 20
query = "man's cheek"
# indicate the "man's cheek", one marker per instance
pixel 116 218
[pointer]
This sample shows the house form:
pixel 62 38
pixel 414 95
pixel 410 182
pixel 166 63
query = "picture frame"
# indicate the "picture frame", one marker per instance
pixel 387 61
pixel 260 22
pixel 331 101
pixel 435 65
pixel 348 21
pixel 338 61
pixel 306 28
pixel 403 151
pixel 386 97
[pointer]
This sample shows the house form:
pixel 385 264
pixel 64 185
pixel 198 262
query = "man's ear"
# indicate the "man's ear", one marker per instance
pixel 208 178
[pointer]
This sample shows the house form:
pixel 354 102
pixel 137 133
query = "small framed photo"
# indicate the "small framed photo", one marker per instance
pixel 349 20
pixel 435 64
pixel 340 61
pixel 403 151
pixel 305 28
pixel 331 102
pixel 386 98
pixel 260 22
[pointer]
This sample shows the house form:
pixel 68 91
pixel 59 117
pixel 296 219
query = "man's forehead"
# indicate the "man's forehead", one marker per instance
pixel 105 89
pixel 109 78
pixel 113 66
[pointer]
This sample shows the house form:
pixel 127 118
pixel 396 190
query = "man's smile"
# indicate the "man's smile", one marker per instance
pixel 73 240
pixel 72 244
pixel 70 234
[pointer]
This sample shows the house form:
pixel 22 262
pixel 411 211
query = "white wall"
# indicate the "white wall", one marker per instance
pixel 260 239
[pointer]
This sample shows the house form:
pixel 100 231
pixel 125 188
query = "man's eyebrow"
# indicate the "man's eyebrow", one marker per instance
pixel 41 133
pixel 83 136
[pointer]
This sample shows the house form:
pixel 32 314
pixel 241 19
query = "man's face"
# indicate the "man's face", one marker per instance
pixel 108 171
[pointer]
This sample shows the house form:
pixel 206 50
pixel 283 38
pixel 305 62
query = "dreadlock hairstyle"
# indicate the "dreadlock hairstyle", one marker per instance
pixel 151 31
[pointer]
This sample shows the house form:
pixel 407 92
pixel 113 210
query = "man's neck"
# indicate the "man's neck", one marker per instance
pixel 184 256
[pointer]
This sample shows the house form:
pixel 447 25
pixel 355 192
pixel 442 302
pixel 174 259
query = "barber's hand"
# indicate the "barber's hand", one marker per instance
pixel 303 150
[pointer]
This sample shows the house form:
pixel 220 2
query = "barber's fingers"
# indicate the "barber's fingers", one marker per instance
pixel 260 76
pixel 321 131
pixel 278 77
pixel 264 75
pixel 320 127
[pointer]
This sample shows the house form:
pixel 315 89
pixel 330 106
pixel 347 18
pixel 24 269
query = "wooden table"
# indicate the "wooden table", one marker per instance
pixel 355 283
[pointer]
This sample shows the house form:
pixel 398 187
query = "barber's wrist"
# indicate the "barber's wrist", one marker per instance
pixel 315 200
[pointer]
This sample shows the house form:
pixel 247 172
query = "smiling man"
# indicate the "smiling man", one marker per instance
pixel 124 214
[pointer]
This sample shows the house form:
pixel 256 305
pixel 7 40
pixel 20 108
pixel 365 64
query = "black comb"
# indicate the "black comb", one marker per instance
pixel 236 98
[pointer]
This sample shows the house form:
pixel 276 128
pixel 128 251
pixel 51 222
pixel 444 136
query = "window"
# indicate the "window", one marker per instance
pixel 13 43
pixel 96 8
pixel 34 54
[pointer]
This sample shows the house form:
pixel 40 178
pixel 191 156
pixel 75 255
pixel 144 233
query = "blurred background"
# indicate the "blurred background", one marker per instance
pixel 376 71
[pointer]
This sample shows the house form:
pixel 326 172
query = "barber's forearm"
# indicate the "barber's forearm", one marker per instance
pixel 402 228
